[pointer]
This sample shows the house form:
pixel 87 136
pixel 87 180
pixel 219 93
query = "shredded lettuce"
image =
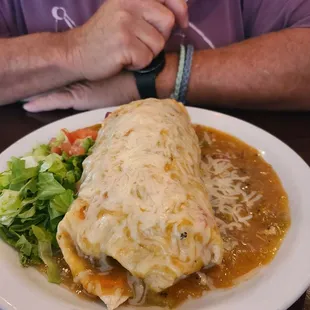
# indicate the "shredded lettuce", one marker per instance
pixel 53 163
pixel 87 144
pixel 29 189
pixel 36 191
pixel 31 161
pixel 19 171
pixel 60 138
pixel 27 213
pixel 46 254
pixel 62 202
pixel 24 246
pixel 48 186
pixel 5 178
pixel 41 150
pixel 10 206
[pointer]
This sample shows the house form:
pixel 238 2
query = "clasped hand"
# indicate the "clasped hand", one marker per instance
pixel 121 35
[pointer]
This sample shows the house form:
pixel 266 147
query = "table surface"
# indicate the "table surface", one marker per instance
pixel 291 127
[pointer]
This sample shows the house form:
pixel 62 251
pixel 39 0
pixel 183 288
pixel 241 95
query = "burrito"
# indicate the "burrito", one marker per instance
pixel 142 203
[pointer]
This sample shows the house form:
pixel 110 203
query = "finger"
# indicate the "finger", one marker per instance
pixel 179 9
pixel 140 56
pixel 149 35
pixel 59 100
pixel 158 16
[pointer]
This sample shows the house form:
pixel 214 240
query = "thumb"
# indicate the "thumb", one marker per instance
pixel 62 99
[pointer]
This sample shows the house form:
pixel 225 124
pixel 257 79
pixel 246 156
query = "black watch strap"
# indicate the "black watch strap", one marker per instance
pixel 146 78
pixel 146 84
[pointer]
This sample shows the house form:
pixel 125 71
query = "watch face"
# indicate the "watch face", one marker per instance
pixel 157 64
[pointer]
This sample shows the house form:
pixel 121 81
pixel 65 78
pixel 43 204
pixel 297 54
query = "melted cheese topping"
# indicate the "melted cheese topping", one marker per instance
pixel 144 202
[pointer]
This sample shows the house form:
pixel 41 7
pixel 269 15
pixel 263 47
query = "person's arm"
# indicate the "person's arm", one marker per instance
pixel 267 72
pixel 119 35
pixel 33 64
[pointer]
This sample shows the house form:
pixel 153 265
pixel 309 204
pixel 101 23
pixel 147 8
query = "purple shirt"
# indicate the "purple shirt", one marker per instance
pixel 213 23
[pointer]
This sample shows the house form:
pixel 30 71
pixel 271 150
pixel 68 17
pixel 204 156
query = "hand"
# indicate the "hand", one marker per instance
pixel 117 90
pixel 123 34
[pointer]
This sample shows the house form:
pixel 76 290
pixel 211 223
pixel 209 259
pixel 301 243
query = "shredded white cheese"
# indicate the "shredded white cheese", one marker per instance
pixel 228 195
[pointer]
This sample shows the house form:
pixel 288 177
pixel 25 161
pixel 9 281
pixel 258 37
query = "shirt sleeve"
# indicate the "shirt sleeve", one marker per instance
pixel 263 16
pixel 4 30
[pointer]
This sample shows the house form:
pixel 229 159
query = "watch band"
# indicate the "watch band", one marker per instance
pixel 146 78
pixel 146 84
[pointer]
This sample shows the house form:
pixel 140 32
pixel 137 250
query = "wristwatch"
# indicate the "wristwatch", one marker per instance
pixel 145 78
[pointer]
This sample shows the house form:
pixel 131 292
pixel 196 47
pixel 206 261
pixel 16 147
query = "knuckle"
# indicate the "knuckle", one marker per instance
pixel 123 17
pixel 123 28
pixel 169 21
pixel 147 59
pixel 160 44
pixel 142 59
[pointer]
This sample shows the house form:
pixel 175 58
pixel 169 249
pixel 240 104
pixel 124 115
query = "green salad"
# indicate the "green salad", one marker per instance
pixel 36 191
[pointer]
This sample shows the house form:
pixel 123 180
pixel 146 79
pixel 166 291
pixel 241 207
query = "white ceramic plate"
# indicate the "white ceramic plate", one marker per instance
pixel 275 287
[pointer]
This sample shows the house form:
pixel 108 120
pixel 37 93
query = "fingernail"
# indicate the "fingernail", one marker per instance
pixel 29 107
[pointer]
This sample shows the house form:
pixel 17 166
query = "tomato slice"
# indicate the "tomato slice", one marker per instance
pixel 66 147
pixel 72 149
pixel 95 127
pixel 68 135
pixel 53 140
pixel 56 149
pixel 84 133
pixel 72 146
pixel 77 150
pixel 88 132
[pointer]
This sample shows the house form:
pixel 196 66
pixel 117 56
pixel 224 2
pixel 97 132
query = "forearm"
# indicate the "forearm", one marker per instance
pixel 271 71
pixel 33 64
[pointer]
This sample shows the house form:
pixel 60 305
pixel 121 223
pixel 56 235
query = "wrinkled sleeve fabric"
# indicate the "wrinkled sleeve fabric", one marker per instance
pixel 263 16
pixel 4 29
pixel 8 18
